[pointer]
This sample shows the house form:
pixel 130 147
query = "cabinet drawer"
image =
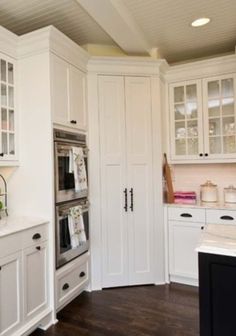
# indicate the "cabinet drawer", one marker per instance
pixel 215 216
pixel 10 244
pixel 72 282
pixel 35 236
pixel 186 214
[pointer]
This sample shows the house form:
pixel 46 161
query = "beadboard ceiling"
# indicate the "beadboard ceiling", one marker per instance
pixel 137 26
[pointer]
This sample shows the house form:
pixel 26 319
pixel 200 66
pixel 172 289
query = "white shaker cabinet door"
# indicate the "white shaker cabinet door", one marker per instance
pixel 113 183
pixel 77 94
pixel 35 280
pixel 60 90
pixel 139 171
pixel 10 294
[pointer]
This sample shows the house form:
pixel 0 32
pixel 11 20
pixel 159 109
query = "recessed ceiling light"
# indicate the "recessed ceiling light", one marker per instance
pixel 200 22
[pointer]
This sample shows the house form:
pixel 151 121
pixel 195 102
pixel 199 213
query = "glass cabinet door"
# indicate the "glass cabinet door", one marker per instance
pixel 186 120
pixel 7 110
pixel 219 107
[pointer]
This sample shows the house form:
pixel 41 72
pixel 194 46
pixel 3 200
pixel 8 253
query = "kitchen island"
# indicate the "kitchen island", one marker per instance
pixel 217 280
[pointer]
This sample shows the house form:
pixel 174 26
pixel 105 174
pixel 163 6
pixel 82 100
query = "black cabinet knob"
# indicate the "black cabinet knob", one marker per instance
pixel 201 154
pixel 202 227
pixel 65 286
pixel 73 122
pixel 36 236
pixel 38 248
pixel 206 154
pixel 82 274
pixel 1 154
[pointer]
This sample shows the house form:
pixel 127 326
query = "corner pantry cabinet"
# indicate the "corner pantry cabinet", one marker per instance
pixel 126 180
pixel 8 149
pixel 68 94
pixel 202 115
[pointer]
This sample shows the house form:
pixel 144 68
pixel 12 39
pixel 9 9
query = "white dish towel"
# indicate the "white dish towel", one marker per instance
pixel 78 168
pixel 76 226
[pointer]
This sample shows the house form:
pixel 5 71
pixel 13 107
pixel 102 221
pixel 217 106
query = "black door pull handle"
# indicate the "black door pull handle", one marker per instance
pixel 186 215
pixel 126 200
pixel 73 122
pixel 131 199
pixel 36 236
pixel 227 217
pixel 65 286
pixel 82 274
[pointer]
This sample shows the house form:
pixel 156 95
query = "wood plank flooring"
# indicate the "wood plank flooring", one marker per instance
pixel 167 310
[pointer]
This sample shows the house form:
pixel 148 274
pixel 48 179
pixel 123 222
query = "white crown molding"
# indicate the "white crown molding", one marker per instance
pixel 127 65
pixel 8 42
pixel 201 69
pixel 51 39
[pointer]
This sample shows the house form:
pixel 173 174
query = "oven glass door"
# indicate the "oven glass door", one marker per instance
pixel 72 239
pixel 65 181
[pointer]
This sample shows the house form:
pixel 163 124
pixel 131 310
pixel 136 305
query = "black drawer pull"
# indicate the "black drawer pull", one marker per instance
pixel 38 248
pixel 73 122
pixel 227 217
pixel 1 154
pixel 82 274
pixel 186 215
pixel 65 286
pixel 36 236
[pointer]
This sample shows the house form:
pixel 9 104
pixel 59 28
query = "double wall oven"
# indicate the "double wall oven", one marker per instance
pixel 68 198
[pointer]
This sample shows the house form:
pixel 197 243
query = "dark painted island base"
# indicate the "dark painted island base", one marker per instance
pixel 217 292
pixel 168 310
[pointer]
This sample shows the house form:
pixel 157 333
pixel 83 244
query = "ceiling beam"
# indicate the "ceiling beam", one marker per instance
pixel 113 16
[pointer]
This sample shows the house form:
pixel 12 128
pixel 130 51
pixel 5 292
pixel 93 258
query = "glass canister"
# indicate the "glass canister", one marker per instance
pixel 209 192
pixel 230 194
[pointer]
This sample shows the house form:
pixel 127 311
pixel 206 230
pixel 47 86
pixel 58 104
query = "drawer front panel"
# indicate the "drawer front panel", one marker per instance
pixel 186 214
pixel 220 216
pixel 10 244
pixel 35 236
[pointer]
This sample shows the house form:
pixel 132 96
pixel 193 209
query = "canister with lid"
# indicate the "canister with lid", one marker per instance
pixel 209 192
pixel 230 194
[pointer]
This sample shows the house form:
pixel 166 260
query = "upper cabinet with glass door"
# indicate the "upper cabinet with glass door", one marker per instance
pixel 7 105
pixel 220 117
pixel 186 120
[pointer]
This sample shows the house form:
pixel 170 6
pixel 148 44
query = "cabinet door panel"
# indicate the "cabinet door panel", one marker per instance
pixel 60 92
pixel 113 183
pixel 36 278
pixel 184 238
pixel 220 116
pixel 10 293
pixel 139 167
pixel 77 89
pixel 186 126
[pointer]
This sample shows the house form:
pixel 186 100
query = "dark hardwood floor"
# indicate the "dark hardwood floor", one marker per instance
pixel 168 310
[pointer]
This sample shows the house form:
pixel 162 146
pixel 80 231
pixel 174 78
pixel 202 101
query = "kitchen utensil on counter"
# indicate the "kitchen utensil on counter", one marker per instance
pixel 169 185
pixel 230 195
pixel 209 192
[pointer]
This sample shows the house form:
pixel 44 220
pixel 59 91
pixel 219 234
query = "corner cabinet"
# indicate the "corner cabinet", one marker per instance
pixel 68 94
pixel 125 109
pixel 202 120
pixel 8 122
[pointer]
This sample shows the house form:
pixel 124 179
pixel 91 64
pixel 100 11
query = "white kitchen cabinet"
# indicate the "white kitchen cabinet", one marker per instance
pixel 8 120
pixel 202 119
pixel 126 174
pixel 35 263
pixel 68 94
pixel 10 293
pixel 24 283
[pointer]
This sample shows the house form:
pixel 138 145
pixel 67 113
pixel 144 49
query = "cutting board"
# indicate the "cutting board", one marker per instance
pixel 169 186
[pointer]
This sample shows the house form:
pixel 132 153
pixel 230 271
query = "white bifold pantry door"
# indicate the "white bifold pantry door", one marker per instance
pixel 126 179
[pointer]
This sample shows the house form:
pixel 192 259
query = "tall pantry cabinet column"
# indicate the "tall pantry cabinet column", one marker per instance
pixel 126 180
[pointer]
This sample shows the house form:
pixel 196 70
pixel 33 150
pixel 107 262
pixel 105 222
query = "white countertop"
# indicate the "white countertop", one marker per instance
pixel 218 239
pixel 219 206
pixel 10 224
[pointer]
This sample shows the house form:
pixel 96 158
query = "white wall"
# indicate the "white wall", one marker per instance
pixel 190 177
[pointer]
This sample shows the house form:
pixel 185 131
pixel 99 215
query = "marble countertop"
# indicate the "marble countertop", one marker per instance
pixel 10 224
pixel 218 239
pixel 218 206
